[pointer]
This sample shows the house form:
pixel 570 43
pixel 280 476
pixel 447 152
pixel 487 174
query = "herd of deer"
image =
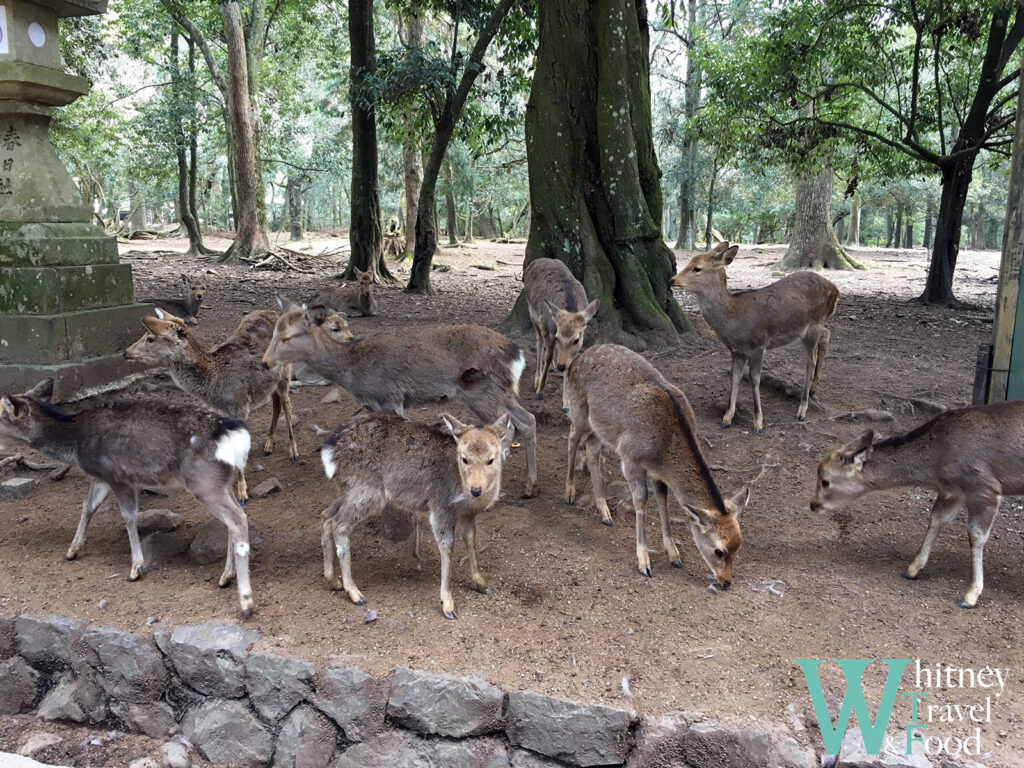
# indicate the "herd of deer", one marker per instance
pixel 452 471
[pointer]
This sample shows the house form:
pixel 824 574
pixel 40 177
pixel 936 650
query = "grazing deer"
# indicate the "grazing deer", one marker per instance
pixel 556 302
pixel 124 446
pixel 351 299
pixel 971 456
pixel 187 307
pixel 383 459
pixel 390 372
pixel 229 378
pixel 749 322
pixel 618 399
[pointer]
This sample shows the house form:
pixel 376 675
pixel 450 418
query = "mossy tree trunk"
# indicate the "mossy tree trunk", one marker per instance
pixel 595 193
pixel 814 244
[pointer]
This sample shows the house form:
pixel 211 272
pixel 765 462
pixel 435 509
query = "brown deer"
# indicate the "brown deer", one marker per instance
pixel 749 322
pixel 390 372
pixel 377 460
pixel 559 313
pixel 355 299
pixel 124 446
pixel 229 378
pixel 187 307
pixel 971 456
pixel 618 399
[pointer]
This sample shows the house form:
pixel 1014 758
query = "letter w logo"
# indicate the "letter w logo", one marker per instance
pixel 873 733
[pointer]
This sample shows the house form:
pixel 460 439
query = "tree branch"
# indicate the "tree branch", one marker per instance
pixel 182 19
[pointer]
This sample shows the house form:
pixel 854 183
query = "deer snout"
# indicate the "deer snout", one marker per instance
pixel 726 584
pixel 476 491
pixel 560 366
pixel 264 364
pixel 816 506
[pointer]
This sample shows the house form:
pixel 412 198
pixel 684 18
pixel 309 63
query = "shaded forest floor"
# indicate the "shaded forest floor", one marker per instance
pixel 570 615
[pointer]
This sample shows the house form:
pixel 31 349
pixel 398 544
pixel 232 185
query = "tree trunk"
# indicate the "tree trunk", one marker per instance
pixel 691 106
pixel 294 203
pixel 709 225
pixel 595 194
pixel 137 200
pixel 897 239
pixel 814 243
pixel 193 153
pixel 979 239
pixel 186 176
pixel 412 157
pixel 908 234
pixel 449 202
pixel 956 179
pixel 888 228
pixel 853 233
pixel 251 212
pixel 929 223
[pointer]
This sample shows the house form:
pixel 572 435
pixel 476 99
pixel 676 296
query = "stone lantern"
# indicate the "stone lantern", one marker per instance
pixel 66 306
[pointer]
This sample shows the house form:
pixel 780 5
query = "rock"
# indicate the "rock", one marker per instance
pixel 152 520
pixel 343 694
pixel 276 684
pixel 129 665
pixel 333 396
pixel 174 754
pixel 227 732
pixel 8 645
pixel 143 762
pixel 524 758
pixel 154 719
pixel 210 543
pixel 393 749
pixel 267 487
pixel 16 488
pixel 161 548
pixel 19 761
pixel 444 705
pixel 573 733
pixel 37 742
pixel 870 414
pixel 47 643
pixel 307 740
pixel 471 753
pixel 20 684
pixel 210 657
pixel 854 754
pixel 77 698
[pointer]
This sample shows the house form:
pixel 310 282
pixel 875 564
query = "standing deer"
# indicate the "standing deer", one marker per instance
pixel 749 322
pixel 125 446
pixel 971 456
pixel 390 372
pixel 377 460
pixel 618 399
pixel 355 299
pixel 187 307
pixel 556 302
pixel 229 377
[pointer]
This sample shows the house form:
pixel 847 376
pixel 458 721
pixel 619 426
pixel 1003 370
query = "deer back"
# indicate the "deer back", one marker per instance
pixel 551 281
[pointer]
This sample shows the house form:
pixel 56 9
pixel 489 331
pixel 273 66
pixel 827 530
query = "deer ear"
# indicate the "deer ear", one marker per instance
pixel 859 452
pixel 285 303
pixel 552 310
pixel 6 408
pixel 506 431
pixel 455 427
pixel 591 310
pixel 738 501
pixel 159 313
pixel 698 517
pixel 184 278
pixel 726 256
pixel 42 391
pixel 316 315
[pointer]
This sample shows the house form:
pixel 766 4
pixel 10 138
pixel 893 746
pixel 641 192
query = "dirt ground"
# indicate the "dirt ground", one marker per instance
pixel 570 615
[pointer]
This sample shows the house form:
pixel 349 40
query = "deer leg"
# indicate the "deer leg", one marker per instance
pixel 128 501
pixel 981 513
pixel 286 405
pixel 275 402
pixel 738 361
pixel 943 511
pixel 575 435
pixel 98 493
pixel 823 339
pixel 811 347
pixel 549 352
pixel 220 503
pixel 754 362
pixel 469 537
pixel 526 425
pixel 331 565
pixel 593 449
pixel 661 497
pixel 414 546
pixel 241 489
pixel 637 479
pixel 445 543
pixel 346 517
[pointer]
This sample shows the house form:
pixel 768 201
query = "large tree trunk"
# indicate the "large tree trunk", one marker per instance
pixel 412 157
pixel 186 176
pixel 898 231
pixel 251 213
pixel 853 233
pixel 594 180
pixel 929 223
pixel 449 203
pixel 293 191
pixel 691 105
pixel 813 244
pixel 137 199
pixel 956 179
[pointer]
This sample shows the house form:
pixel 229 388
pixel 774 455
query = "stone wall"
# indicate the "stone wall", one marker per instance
pixel 241 707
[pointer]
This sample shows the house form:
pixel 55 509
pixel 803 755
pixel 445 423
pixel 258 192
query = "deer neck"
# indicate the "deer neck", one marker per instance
pixel 194 371
pixel 716 303
pixel 331 357
pixel 57 439
pixel 897 466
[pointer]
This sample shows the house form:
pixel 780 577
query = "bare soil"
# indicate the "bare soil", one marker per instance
pixel 570 615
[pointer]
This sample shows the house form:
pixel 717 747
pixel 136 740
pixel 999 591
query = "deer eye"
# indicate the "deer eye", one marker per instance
pixel 489 462
pixel 465 460
pixel 150 339
pixel 825 483
pixel 719 553
pixel 696 269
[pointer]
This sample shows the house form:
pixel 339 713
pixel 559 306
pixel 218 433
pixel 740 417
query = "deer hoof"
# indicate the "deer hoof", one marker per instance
pixel 906 575
pixel 484 590
pixel 241 502
pixel 570 500
pixel 608 521
pixel 677 563
pixel 565 410
pixel 801 418
pixel 266 452
pixel 361 601
pixel 248 612
pixel 295 458
pixel 648 572
pixel 540 396
pixel 965 605
pixel 725 425
pixel 70 556
pixel 758 430
pixel 450 615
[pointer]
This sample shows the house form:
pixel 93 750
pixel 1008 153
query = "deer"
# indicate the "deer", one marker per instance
pixel 229 377
pixel 970 456
pixel 382 459
pixel 352 300
pixel 187 307
pixel 556 300
pixel 619 400
pixel 749 322
pixel 390 372
pixel 124 446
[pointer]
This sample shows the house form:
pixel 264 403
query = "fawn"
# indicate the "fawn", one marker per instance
pixel 390 372
pixel 383 459
pixel 971 456
pixel 556 302
pixel 618 399
pixel 124 446
pixel 355 299
pixel 229 378
pixel 188 306
pixel 749 322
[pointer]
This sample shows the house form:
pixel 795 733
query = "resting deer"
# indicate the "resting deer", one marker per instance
pixel 378 460
pixel 749 322
pixel 618 399
pixel 124 446
pixel 187 307
pixel 390 372
pixel 556 302
pixel 355 299
pixel 971 456
pixel 229 377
